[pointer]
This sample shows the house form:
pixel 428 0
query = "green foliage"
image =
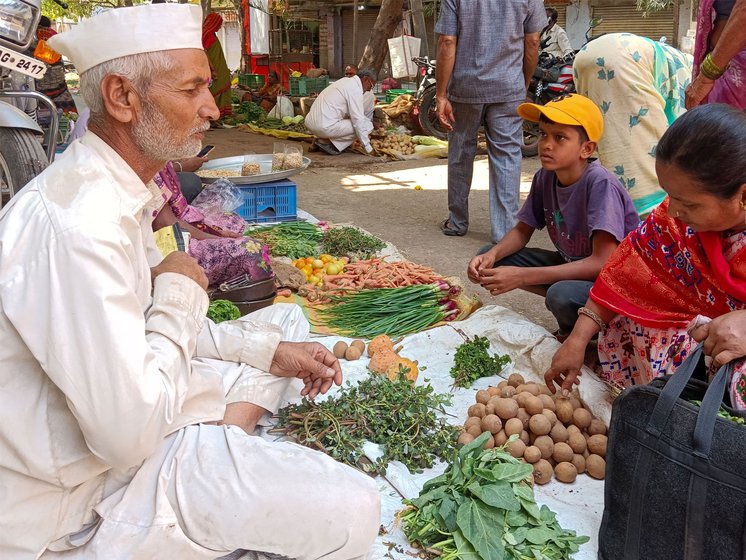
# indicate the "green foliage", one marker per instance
pixel 221 310
pixel 291 239
pixel 473 361
pixel 406 421
pixel 350 242
pixel 247 112
pixel 652 6
pixel 482 508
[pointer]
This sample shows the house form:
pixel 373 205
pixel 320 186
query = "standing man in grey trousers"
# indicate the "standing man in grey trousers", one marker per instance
pixel 487 52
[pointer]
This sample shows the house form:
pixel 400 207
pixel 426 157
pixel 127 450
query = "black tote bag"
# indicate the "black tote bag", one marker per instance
pixel 675 485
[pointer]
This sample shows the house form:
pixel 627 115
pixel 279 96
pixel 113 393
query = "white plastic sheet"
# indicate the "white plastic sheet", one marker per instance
pixel 401 51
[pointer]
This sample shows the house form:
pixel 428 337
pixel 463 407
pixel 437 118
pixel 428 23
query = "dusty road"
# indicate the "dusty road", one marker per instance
pixel 380 197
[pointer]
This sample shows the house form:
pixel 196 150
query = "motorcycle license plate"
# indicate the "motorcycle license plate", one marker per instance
pixel 21 63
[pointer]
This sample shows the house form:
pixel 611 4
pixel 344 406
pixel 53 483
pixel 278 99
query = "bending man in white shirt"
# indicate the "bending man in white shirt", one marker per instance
pixel 127 414
pixel 343 112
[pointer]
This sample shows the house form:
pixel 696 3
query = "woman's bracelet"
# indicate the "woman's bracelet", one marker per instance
pixel 181 169
pixel 709 69
pixel 592 315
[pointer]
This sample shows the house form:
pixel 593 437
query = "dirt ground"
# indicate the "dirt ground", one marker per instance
pixel 380 196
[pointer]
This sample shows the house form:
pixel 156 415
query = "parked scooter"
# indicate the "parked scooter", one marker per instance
pixel 22 140
pixel 553 77
pixel 426 106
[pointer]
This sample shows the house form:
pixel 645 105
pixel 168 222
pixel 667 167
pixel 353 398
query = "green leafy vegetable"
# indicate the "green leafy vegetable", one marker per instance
pixel 407 421
pixel 290 239
pixel 473 361
pixel 724 414
pixel 350 242
pixel 496 515
pixel 221 310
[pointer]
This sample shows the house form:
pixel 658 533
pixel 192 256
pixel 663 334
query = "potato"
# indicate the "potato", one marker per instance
pixel 573 429
pixel 595 466
pixel 483 396
pixel 563 409
pixel 551 416
pixel 577 442
pixel 559 433
pixel 597 427
pixel 489 444
pixel 493 391
pixel 502 385
pixel 531 454
pixel 520 398
pixel 506 408
pixel 539 424
pixel 565 472
pixel 581 418
pixel 358 344
pixel 545 445
pixel 477 410
pixel 339 349
pixel 525 438
pixel 500 438
pixel 516 448
pixel 464 438
pixel 508 391
pixel 575 401
pixel 533 405
pixel 513 426
pixel 542 471
pixel 475 431
pixel 548 402
pixel 579 462
pixel 489 408
pixel 352 353
pixel 491 423
pixel 472 421
pixel 515 379
pixel 524 417
pixel 532 388
pixel 544 390
pixel 562 452
pixel 597 444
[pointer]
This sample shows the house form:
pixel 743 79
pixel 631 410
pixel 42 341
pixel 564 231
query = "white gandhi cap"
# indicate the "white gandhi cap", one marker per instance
pixel 127 31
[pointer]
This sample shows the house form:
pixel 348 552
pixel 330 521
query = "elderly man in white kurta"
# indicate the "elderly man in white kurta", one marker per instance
pixel 343 112
pixel 124 412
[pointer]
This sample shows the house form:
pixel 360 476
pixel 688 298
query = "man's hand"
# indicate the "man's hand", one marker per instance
pixel 501 279
pixel 309 361
pixel 445 113
pixel 697 91
pixel 181 263
pixel 565 367
pixel 479 263
pixel 724 338
pixel 192 164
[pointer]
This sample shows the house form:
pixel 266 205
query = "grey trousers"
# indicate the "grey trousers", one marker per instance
pixel 503 128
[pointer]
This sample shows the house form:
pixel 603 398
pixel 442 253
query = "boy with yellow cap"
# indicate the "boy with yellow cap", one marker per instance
pixel 584 207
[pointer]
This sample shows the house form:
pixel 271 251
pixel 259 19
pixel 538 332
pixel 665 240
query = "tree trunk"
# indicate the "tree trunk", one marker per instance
pixel 389 17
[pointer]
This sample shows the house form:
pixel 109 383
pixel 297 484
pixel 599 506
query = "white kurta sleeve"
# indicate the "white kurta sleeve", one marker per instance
pixel 563 42
pixel 362 124
pixel 123 372
pixel 244 341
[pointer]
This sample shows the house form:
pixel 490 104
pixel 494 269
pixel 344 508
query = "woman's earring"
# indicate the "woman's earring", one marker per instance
pixel 743 207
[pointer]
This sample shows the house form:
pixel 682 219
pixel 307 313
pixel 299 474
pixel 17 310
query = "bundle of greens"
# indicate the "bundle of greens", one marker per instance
pixel 392 311
pixel 405 420
pixel 246 112
pixel 350 242
pixel 221 310
pixel 290 239
pixel 473 361
pixel 482 508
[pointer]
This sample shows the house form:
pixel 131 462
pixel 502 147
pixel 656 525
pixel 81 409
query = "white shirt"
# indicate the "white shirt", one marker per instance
pixel 339 101
pixel 94 370
pixel 556 42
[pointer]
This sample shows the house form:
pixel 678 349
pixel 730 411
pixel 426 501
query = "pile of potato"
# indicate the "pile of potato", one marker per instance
pixel 400 143
pixel 557 435
pixel 351 352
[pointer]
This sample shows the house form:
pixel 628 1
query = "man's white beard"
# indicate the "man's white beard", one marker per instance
pixel 154 137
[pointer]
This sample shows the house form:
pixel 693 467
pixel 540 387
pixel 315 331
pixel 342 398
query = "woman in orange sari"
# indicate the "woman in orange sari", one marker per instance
pixel 221 76
pixel 680 278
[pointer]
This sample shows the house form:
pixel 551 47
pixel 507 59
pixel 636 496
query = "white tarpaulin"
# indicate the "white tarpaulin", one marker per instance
pixel 578 506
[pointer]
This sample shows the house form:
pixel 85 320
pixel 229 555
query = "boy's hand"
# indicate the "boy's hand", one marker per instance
pixel 501 279
pixel 479 263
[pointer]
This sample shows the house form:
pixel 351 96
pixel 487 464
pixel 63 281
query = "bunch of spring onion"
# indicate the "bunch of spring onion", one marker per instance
pixel 392 311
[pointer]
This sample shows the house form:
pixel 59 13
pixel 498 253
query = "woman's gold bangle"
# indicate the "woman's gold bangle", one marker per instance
pixel 709 69
pixel 592 315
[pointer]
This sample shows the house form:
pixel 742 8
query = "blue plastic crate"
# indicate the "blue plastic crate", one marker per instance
pixel 268 202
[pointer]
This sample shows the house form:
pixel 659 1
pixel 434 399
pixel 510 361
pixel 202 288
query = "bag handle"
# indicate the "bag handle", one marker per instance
pixel 708 412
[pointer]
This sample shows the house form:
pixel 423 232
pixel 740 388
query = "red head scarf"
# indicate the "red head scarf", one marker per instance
pixel 210 26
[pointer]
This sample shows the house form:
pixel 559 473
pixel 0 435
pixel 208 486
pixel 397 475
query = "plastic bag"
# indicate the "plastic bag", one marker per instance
pixel 278 156
pixel 220 196
pixel 293 158
pixel 283 108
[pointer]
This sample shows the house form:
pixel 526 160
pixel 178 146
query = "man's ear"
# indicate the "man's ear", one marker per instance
pixel 587 149
pixel 120 98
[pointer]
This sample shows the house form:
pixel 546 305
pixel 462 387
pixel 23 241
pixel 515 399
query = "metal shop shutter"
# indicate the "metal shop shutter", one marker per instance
pixel 365 21
pixel 627 19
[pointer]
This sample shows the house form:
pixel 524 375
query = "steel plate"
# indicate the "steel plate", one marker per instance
pixel 265 169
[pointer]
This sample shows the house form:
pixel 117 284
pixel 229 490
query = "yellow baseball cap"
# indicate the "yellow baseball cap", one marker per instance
pixel 572 109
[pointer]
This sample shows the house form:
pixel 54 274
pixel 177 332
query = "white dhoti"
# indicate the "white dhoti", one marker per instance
pixel 211 490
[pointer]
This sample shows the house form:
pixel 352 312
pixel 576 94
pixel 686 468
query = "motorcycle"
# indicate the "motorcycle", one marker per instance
pixel 553 78
pixel 22 140
pixel 426 106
